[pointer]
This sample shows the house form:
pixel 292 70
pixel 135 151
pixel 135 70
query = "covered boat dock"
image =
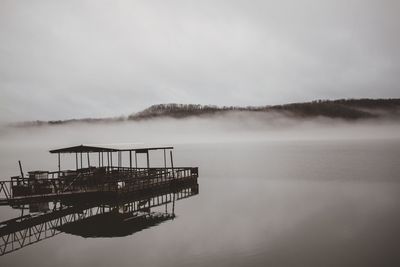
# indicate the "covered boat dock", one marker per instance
pixel 99 178
pixel 104 152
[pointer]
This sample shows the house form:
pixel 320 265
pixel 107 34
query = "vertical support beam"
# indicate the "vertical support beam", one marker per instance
pixel 76 160
pixel 88 160
pixel 165 159
pixel 135 160
pixel 165 164
pixel 148 159
pixel 172 164
pixel 102 159
pixel 173 206
pixel 81 161
pixel 99 160
pixel 118 159
pixel 111 159
pixel 130 159
pixel 59 162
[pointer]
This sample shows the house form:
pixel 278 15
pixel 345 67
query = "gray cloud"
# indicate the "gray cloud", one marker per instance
pixel 62 59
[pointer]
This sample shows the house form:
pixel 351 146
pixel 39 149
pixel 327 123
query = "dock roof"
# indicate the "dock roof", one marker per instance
pixel 83 149
pixel 94 149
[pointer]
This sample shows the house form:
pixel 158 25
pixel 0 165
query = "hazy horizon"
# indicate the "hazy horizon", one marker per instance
pixel 313 184
pixel 391 114
pixel 97 58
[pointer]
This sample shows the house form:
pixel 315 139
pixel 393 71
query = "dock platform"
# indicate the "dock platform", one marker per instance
pixel 97 179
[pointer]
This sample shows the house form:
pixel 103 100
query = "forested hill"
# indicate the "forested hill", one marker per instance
pixel 348 109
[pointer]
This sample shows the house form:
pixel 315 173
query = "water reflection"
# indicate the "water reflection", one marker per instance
pixel 107 218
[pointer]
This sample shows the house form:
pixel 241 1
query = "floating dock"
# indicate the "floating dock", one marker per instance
pixel 98 179
pixel 97 199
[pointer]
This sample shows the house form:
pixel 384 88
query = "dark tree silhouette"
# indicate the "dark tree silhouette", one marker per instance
pixel 347 109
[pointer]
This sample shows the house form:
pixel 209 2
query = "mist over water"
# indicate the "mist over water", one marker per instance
pixel 30 144
pixel 273 191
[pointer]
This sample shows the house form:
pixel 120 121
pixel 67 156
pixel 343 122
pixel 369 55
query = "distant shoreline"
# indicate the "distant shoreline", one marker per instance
pixel 345 109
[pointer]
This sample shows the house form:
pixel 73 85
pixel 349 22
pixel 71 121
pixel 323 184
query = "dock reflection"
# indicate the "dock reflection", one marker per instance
pixel 113 217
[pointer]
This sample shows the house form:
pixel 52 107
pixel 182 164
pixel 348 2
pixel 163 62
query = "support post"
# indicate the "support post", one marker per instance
pixel 99 160
pixel 118 159
pixel 111 159
pixel 130 159
pixel 165 159
pixel 76 160
pixel 81 161
pixel 165 164
pixel 88 160
pixel 172 164
pixel 173 205
pixel 148 159
pixel 59 162
pixel 135 160
pixel 20 169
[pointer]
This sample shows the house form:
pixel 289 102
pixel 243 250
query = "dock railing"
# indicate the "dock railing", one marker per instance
pixel 103 179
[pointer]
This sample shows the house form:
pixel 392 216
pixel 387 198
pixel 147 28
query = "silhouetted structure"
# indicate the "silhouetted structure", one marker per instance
pixel 96 182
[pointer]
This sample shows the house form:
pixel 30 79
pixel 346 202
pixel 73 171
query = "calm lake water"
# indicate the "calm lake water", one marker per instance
pixel 262 203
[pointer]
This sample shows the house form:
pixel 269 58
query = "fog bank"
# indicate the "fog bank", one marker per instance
pixel 31 144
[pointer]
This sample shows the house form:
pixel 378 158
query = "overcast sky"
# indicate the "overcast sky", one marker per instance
pixel 65 59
